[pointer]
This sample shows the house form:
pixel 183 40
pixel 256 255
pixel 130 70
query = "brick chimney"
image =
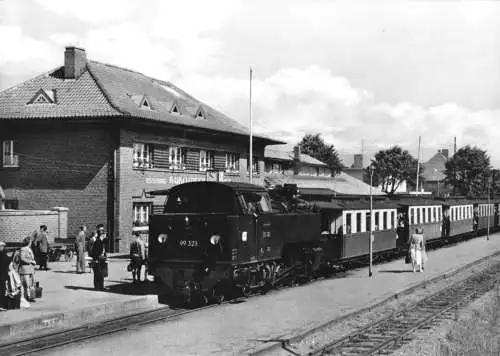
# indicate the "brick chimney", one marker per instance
pixel 75 60
pixel 444 152
pixel 296 159
pixel 358 161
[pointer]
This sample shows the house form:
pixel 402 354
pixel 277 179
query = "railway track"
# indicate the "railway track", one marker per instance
pixel 34 344
pixel 386 335
pixel 45 342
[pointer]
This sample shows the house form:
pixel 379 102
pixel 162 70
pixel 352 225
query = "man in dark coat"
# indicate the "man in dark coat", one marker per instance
pixel 4 273
pixel 43 246
pixel 98 254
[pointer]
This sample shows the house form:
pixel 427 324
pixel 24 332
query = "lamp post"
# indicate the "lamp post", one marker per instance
pixel 488 222
pixel 370 243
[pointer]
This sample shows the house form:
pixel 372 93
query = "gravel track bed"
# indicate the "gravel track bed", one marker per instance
pixel 347 326
pixel 430 342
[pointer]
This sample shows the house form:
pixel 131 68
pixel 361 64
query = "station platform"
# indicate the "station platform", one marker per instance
pixel 258 322
pixel 69 299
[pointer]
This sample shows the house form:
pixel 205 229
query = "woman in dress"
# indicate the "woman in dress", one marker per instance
pixel 417 249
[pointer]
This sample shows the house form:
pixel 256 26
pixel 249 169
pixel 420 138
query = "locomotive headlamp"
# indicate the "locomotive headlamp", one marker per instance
pixel 162 238
pixel 215 239
pixel 244 236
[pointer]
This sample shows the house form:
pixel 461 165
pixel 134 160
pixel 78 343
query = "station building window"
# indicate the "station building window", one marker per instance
pixel 177 157
pixel 255 166
pixel 232 163
pixel 206 160
pixel 141 213
pixel 9 159
pixel 143 155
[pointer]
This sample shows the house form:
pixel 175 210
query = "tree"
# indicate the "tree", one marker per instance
pixel 467 171
pixel 392 167
pixel 315 146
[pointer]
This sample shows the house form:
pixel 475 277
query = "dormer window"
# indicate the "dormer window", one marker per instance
pixel 145 103
pixel 44 97
pixel 175 109
pixel 200 113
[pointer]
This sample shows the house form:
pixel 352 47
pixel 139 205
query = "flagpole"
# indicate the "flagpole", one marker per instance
pixel 418 163
pixel 251 129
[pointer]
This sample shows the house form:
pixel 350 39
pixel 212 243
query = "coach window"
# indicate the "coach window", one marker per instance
pixel 393 220
pixel 367 220
pixel 377 226
pixel 424 216
pixel 412 219
pixel 418 216
pixel 385 220
pixel 348 223
pixel 440 213
pixel 358 222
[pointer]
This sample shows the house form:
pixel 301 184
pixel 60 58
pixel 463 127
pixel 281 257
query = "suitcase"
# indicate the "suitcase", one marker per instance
pixel 38 290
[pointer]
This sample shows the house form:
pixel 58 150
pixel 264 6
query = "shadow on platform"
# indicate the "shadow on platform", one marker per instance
pixel 142 288
pixel 396 271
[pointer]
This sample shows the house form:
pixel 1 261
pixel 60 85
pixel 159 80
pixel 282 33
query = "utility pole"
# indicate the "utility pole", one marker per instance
pixel 370 244
pixel 250 164
pixel 489 210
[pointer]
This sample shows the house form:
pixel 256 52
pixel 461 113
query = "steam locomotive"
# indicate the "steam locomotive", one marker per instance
pixel 222 240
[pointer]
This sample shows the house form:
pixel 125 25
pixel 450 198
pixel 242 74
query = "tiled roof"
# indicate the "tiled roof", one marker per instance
pixel 342 183
pixel 80 97
pixel 285 153
pixel 434 168
pixel 105 90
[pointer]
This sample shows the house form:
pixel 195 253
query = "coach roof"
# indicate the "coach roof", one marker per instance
pixel 102 90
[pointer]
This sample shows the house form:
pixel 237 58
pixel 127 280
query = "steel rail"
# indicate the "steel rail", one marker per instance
pixel 431 308
pixel 97 329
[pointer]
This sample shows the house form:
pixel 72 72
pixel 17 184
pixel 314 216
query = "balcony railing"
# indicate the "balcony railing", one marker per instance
pixel 11 161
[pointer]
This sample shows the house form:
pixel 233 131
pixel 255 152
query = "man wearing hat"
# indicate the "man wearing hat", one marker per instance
pixel 98 254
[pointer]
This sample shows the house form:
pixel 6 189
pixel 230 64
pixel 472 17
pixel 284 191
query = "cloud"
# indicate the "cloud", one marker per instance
pixel 293 102
pixel 92 11
pixel 24 54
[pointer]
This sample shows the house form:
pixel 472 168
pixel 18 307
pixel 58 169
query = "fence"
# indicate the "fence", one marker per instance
pixel 15 225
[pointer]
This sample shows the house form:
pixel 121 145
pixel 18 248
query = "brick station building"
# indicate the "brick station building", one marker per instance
pixel 96 138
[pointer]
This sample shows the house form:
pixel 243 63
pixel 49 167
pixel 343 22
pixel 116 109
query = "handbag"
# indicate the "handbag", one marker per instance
pixel 104 269
pixel 130 267
pixel 408 258
pixel 38 290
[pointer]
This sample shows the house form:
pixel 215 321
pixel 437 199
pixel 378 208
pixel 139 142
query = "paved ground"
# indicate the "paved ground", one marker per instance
pixel 66 291
pixel 236 329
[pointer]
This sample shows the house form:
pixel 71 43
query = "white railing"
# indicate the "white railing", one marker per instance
pixel 11 161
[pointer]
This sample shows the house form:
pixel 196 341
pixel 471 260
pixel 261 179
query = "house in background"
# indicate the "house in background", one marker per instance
pixel 284 165
pixel 434 174
pixel 358 171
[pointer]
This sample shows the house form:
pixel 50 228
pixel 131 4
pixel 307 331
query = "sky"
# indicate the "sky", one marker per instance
pixel 378 72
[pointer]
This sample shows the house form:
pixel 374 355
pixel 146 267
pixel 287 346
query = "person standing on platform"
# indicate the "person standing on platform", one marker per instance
pixel 98 254
pixel 417 249
pixel 80 249
pixel 4 273
pixel 42 244
pixel 27 270
pixel 137 256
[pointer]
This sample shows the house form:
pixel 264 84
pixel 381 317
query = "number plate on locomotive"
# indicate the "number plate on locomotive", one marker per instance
pixel 188 243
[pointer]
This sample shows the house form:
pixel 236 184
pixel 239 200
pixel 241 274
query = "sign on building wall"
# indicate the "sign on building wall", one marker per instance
pixel 175 179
